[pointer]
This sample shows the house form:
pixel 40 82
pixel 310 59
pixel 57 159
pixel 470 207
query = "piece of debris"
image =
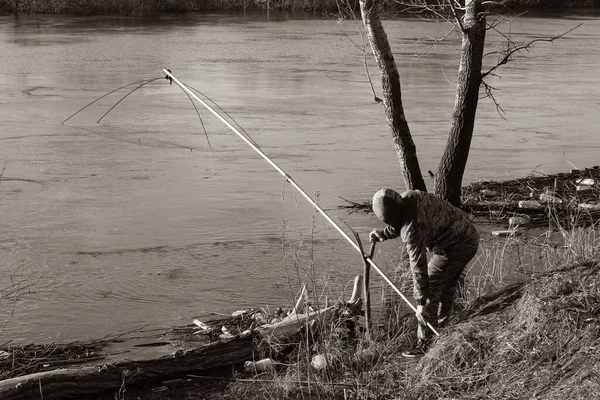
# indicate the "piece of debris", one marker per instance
pixel 266 364
pixel 204 328
pixel 246 334
pixel 506 232
pixel 549 198
pixel 529 204
pixel 240 313
pixel 319 362
pixel 583 188
pixel 518 220
pixel 586 182
pixel 522 197
pixel 226 337
pixel 590 206
pixel 488 192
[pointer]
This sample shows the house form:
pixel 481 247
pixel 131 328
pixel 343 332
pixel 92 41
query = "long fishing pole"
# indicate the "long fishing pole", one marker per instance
pixel 288 178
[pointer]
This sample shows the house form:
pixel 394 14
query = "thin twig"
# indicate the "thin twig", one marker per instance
pixel 489 93
pixel 510 51
pixel 458 20
pixel 363 48
pixel 365 63
pixel 433 46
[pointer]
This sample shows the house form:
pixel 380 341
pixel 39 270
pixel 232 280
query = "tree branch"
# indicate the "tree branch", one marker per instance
pixel 422 7
pixel 489 93
pixel 430 48
pixel 348 11
pixel 512 49
pixel 458 20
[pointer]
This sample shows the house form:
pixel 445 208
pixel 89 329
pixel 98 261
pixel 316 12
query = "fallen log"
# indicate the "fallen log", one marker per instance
pixel 155 356
pixel 90 380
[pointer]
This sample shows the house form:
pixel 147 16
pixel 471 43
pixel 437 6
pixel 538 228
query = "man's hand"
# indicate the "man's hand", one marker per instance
pixel 422 316
pixel 376 235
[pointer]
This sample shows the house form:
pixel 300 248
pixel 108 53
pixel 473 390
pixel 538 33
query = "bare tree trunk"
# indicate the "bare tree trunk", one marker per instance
pixel 392 95
pixel 452 165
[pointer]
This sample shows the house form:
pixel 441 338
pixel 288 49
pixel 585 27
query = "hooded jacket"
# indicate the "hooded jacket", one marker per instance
pixel 424 222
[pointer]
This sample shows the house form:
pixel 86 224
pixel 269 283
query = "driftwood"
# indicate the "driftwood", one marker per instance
pixel 90 380
pixel 496 202
pixel 156 356
pixel 291 325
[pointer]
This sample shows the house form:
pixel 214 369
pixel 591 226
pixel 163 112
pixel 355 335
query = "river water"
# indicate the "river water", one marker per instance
pixel 106 228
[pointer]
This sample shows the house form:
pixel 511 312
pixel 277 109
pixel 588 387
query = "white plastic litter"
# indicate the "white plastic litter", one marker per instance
pixel 529 204
pixel 319 362
pixel 506 232
pixel 263 365
pixel 590 206
pixel 202 325
pixel 586 182
pixel 549 198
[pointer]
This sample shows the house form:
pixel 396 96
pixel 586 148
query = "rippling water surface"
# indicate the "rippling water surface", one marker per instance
pixel 136 222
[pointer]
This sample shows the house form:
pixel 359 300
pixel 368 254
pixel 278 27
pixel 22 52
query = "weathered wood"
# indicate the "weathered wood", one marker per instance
pixel 290 326
pixel 159 355
pixel 89 380
pixel 366 290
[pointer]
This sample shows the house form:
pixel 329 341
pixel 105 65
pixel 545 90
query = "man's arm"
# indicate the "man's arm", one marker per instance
pixel 389 232
pixel 379 235
pixel 417 254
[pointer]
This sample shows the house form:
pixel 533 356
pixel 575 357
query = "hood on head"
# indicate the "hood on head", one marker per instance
pixel 387 205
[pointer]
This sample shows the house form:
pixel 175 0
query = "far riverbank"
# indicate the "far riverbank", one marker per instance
pixel 154 7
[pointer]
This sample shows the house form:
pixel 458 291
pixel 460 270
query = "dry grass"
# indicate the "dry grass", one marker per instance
pixel 537 338
pixel 536 346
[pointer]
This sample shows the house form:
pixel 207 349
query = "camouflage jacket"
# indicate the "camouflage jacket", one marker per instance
pixel 429 223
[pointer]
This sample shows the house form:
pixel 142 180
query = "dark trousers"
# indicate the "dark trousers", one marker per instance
pixel 445 272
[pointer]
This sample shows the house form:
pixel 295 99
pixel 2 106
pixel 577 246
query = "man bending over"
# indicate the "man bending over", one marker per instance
pixel 425 222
